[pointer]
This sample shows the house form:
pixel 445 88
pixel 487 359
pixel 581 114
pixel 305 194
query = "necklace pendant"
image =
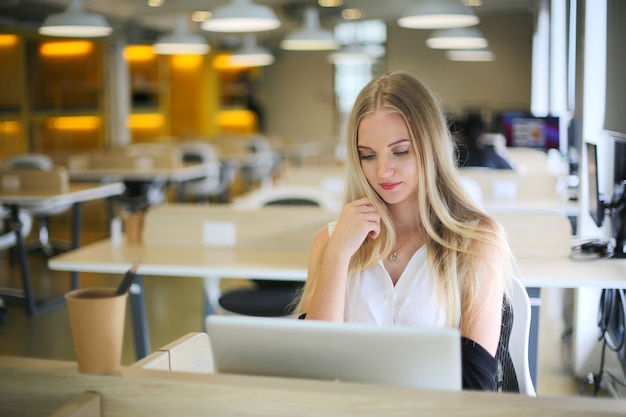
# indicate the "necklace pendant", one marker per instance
pixel 394 258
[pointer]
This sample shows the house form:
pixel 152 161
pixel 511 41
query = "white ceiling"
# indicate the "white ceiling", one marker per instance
pixel 28 14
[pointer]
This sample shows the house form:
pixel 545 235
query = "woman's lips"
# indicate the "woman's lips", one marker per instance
pixel 388 186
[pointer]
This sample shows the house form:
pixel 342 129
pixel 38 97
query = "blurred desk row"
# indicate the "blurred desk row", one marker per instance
pixel 274 243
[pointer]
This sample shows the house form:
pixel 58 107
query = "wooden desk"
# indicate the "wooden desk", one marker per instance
pixel 182 173
pixel 277 246
pixel 36 387
pixel 505 191
pixel 271 243
pixel 142 163
pixel 75 195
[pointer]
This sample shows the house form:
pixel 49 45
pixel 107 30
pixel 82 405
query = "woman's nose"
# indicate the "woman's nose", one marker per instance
pixel 385 167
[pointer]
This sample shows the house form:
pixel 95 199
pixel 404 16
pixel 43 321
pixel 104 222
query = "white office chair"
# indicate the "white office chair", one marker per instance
pixel 219 176
pixel 473 189
pixel 520 334
pixel 43 163
pixel 7 241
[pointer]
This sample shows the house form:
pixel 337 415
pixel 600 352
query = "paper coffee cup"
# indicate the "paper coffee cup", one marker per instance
pixel 133 227
pixel 97 322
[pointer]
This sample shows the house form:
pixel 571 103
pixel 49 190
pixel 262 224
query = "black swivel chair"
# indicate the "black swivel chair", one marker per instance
pixel 271 298
pixel 612 325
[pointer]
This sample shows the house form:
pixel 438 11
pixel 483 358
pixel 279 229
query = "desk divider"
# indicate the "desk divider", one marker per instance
pixel 554 239
pixel 184 224
pixel 498 184
pixel 124 159
pixel 189 353
pixel 34 181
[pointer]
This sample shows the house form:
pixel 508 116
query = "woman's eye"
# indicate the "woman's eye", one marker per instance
pixel 401 153
pixel 366 157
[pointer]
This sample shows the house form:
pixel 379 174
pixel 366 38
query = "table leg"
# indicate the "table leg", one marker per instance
pixel 211 296
pixel 29 297
pixel 534 293
pixel 76 229
pixel 20 247
pixel 182 195
pixel 139 318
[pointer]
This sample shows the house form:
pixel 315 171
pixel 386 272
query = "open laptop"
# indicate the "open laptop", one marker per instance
pixel 389 355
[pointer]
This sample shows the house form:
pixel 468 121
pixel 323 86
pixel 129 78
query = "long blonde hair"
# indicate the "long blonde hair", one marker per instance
pixel 447 217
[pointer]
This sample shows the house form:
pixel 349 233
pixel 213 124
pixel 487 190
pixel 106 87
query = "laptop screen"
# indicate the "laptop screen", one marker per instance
pixel 389 355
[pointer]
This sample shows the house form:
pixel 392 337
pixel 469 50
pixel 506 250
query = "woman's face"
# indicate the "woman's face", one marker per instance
pixel 387 157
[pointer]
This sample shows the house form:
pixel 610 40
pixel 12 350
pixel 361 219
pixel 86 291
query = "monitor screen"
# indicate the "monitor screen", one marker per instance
pixel 619 162
pixel 596 203
pixel 522 130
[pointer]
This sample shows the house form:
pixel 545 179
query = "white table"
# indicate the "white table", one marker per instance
pixel 177 175
pixel 539 241
pixel 77 193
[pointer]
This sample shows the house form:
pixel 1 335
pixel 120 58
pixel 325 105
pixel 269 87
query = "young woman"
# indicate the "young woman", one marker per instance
pixel 410 247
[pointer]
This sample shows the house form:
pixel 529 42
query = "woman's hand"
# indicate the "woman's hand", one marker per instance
pixel 358 221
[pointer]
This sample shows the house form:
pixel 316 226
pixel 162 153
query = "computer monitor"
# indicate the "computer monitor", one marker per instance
pixel 596 200
pixel 428 358
pixel 528 131
pixel 599 206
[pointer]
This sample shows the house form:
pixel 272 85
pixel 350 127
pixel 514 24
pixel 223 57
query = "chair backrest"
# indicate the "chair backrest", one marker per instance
pixel 288 195
pixel 203 152
pixel 520 334
pixel 29 161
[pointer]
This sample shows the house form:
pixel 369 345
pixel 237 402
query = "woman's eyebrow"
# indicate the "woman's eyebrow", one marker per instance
pixel 398 142
pixel 389 146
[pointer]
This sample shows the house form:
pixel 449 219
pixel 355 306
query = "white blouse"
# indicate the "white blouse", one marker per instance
pixel 411 302
pixel 372 298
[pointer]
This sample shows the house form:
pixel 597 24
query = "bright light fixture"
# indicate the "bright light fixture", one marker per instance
pixel 241 16
pixel 476 55
pixel 251 54
pixel 438 14
pixel 311 37
pixel 457 38
pixel 74 22
pixel 181 42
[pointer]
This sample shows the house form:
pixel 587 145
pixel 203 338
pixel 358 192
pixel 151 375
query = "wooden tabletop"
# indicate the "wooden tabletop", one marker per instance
pixel 183 173
pixel 36 387
pixel 77 192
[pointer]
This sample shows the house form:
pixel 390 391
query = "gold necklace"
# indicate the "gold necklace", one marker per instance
pixel 394 258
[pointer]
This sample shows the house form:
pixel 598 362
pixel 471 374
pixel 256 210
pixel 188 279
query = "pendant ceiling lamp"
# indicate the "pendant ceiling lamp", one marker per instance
pixel 74 22
pixel 471 55
pixel 241 16
pixel 311 37
pixel 457 38
pixel 438 14
pixel 251 54
pixel 181 42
